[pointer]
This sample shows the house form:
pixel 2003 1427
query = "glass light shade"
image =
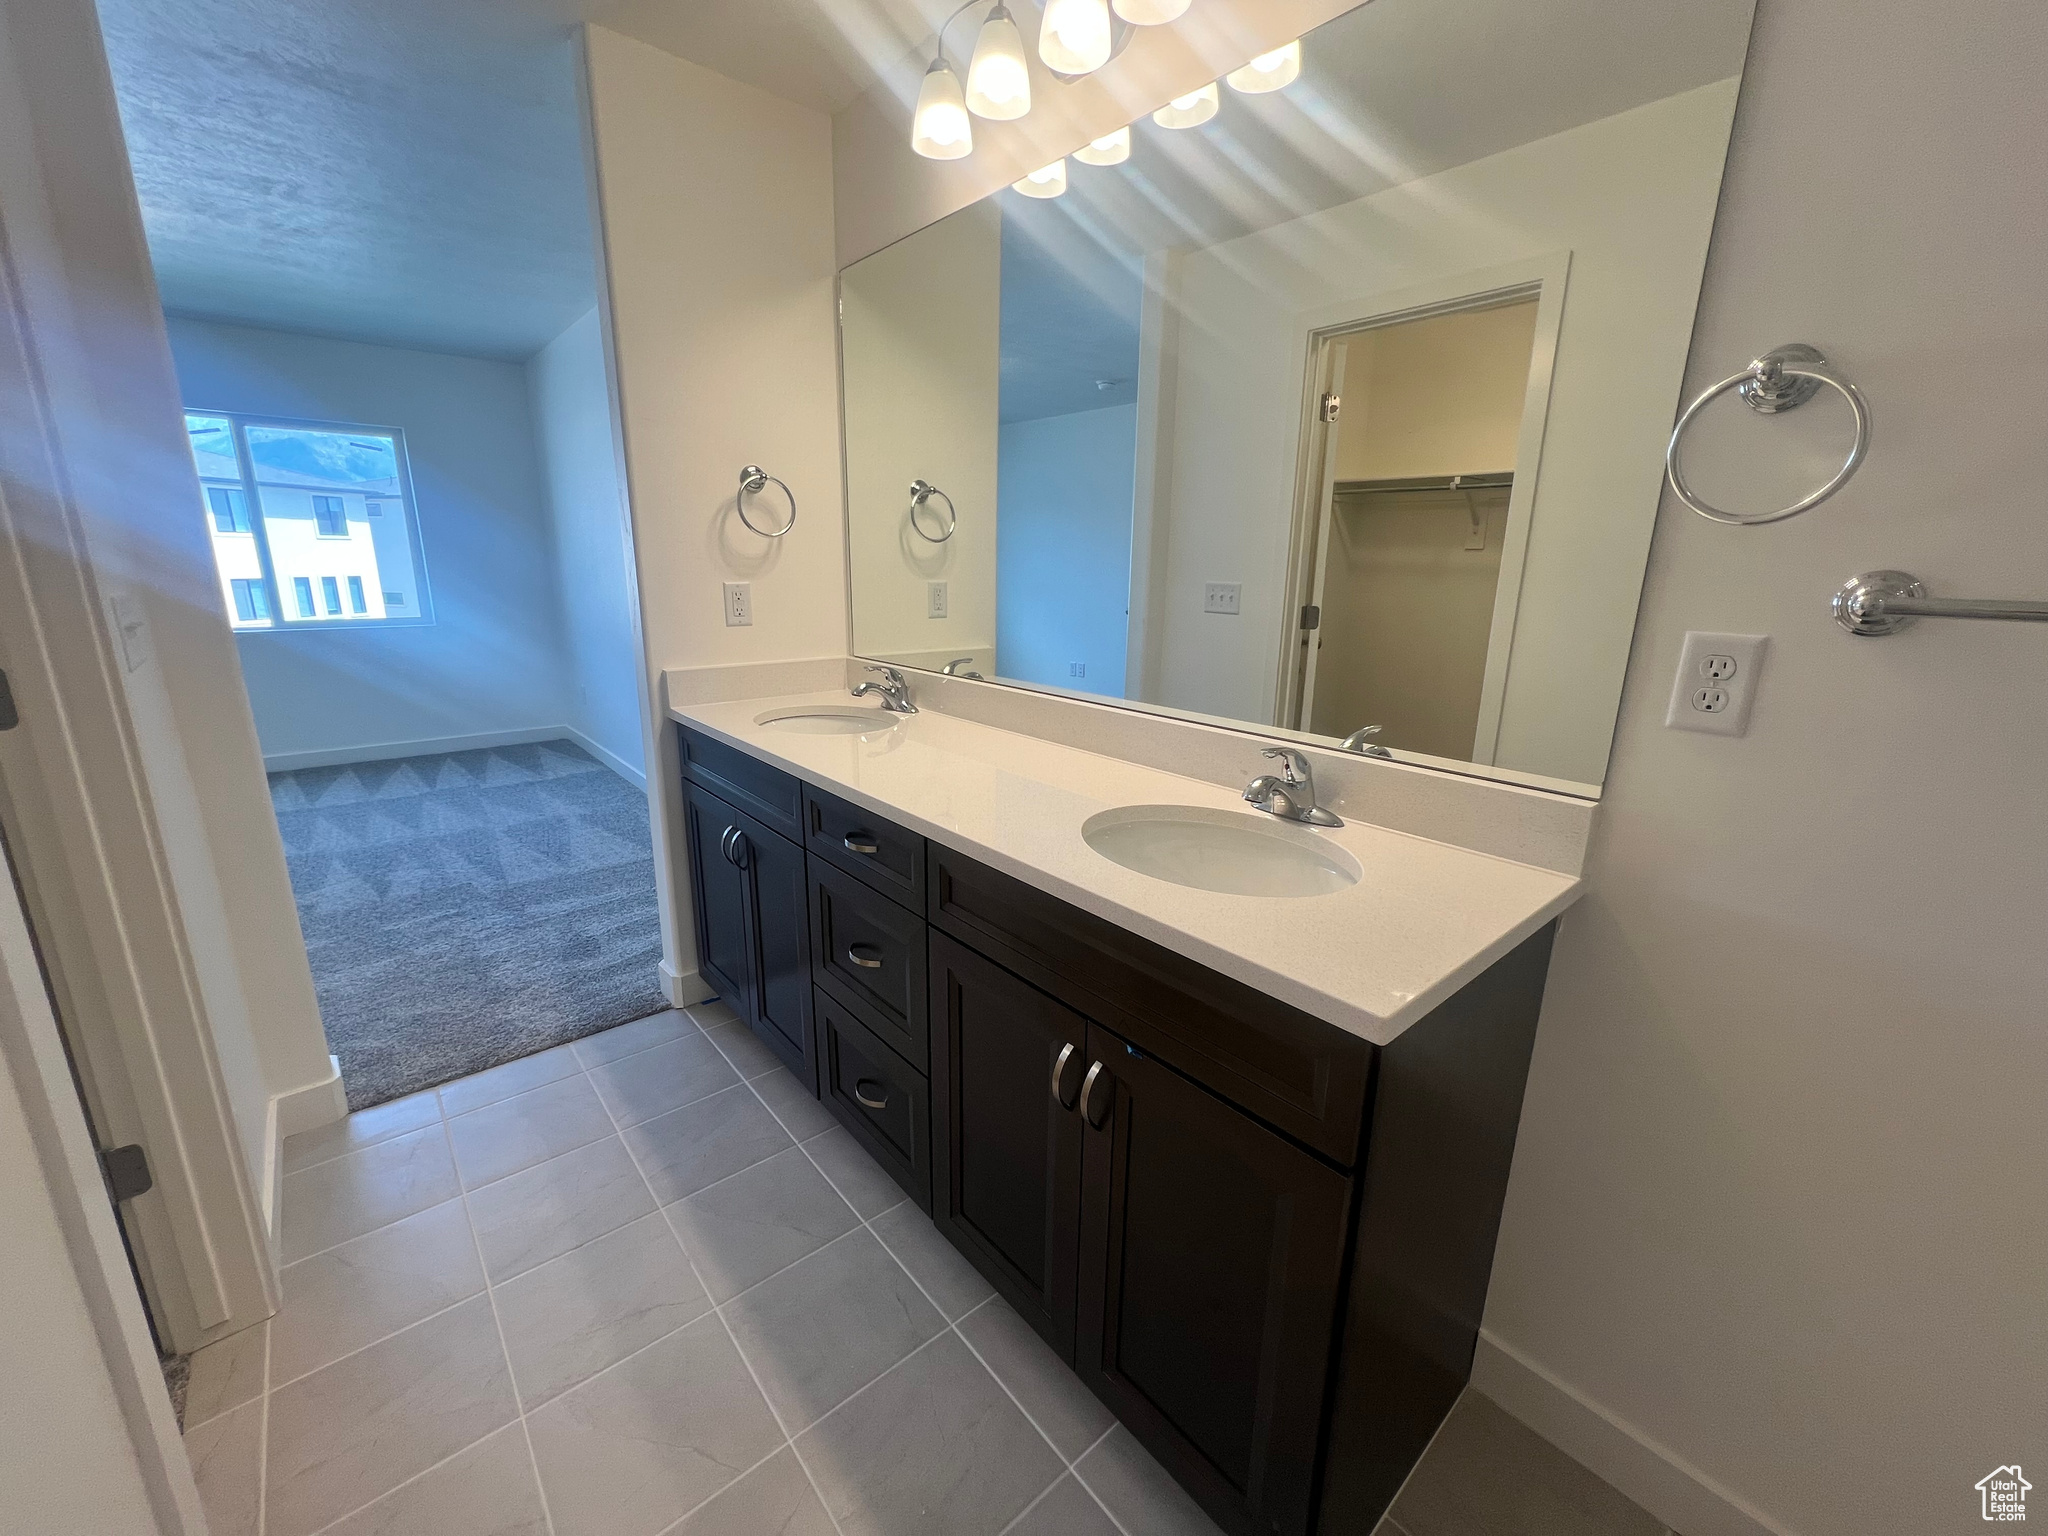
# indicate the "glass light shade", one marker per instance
pixel 1191 110
pixel 941 129
pixel 1269 71
pixel 1110 149
pixel 1074 36
pixel 1150 13
pixel 998 80
pixel 1046 181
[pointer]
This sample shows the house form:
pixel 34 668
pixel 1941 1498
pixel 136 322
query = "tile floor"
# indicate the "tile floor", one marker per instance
pixel 644 1284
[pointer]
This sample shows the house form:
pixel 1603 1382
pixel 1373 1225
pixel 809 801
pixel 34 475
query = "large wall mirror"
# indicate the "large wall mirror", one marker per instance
pixel 1342 409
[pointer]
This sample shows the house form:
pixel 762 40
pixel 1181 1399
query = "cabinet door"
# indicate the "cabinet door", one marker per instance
pixel 779 940
pixel 718 893
pixel 1006 1181
pixel 1211 1249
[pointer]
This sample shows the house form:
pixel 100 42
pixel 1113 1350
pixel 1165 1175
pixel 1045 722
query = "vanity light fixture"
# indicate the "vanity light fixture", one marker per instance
pixel 941 129
pixel 1046 181
pixel 998 79
pixel 1112 148
pixel 1191 110
pixel 1151 13
pixel 1074 38
pixel 1273 71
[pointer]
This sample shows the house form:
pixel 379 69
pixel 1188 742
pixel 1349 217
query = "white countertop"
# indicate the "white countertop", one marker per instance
pixel 1371 959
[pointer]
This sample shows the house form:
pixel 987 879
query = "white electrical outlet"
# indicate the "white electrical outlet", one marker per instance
pixel 739 603
pixel 1221 597
pixel 935 600
pixel 1716 683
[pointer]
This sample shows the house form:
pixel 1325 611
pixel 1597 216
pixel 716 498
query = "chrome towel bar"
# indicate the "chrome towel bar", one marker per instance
pixel 922 491
pixel 1783 379
pixel 753 481
pixel 1884 602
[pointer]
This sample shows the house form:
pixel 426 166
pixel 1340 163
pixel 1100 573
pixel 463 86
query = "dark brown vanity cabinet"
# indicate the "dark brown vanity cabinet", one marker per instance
pixel 748 890
pixel 1261 1240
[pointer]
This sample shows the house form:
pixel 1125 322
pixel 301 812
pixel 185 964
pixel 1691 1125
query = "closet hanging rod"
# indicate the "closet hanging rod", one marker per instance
pixel 1499 481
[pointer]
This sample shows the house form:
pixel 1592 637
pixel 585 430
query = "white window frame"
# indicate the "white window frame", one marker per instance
pixel 239 423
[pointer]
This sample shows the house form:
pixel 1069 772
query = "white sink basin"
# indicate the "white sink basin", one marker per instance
pixel 1233 852
pixel 826 720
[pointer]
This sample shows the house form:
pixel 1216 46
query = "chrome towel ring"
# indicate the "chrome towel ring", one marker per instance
pixel 1783 379
pixel 753 481
pixel 922 491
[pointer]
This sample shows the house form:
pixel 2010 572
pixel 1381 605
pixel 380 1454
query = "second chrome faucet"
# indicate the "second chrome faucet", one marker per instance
pixel 1291 793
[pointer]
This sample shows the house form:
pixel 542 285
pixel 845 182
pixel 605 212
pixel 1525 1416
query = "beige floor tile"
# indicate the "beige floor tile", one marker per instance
pixel 1067 1509
pixel 829 1324
pixel 793 1104
pixel 571 1317
pixel 934 1448
pixel 745 1228
pixel 561 1204
pixel 856 1175
pixel 362 1129
pixel 225 1374
pixel 692 1148
pixel 227 1462
pixel 775 1499
pixel 635 1448
pixel 372 1286
pixel 331 1202
pixel 709 1015
pixel 956 1285
pixel 1071 1416
pixel 640 1035
pixel 488 1490
pixel 500 1139
pixel 352 1432
pixel 514 1077
pixel 743 1049
pixel 1140 1494
pixel 672 1074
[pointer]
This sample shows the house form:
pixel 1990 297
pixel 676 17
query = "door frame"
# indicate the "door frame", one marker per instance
pixel 1318 332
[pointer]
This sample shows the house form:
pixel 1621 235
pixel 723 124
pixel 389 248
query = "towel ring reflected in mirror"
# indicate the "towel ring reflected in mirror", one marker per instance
pixel 1783 379
pixel 753 481
pixel 922 491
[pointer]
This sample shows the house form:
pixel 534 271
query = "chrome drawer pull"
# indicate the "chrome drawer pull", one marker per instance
pixel 1088 1096
pixel 860 1092
pixel 859 842
pixel 864 956
pixel 1059 1076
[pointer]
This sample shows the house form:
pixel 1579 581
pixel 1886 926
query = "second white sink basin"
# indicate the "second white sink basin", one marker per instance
pixel 828 720
pixel 1228 851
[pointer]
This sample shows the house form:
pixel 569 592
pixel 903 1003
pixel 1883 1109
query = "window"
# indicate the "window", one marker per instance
pixel 306 509
pixel 252 603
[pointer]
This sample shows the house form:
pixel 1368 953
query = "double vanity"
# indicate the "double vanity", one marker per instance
pixel 1222 1102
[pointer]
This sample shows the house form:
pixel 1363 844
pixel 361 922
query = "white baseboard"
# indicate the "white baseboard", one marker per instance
pixel 632 773
pixel 1664 1483
pixel 684 987
pixel 295 1110
pixel 384 751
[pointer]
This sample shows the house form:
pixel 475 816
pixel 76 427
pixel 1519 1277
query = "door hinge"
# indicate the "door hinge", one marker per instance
pixel 10 717
pixel 127 1171
pixel 1331 405
pixel 1311 617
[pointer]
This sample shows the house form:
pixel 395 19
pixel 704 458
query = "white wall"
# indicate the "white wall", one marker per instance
pixel 1631 198
pixel 571 397
pixel 716 217
pixel 921 341
pixel 1065 561
pixel 493 659
pixel 1777 1203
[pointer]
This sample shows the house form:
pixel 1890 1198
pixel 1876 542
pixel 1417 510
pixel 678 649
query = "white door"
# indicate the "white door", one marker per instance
pixel 1329 409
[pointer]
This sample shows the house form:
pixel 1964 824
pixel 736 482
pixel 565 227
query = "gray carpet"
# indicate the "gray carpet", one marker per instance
pixel 468 908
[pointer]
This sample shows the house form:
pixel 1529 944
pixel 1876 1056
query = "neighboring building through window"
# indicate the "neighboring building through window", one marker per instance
pixel 294 504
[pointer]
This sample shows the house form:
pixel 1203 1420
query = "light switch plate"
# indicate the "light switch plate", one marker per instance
pixel 1221 596
pixel 1716 683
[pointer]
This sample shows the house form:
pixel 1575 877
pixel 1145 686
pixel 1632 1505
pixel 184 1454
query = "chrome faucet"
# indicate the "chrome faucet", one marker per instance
pixel 1356 742
pixel 1290 794
pixel 952 669
pixel 894 691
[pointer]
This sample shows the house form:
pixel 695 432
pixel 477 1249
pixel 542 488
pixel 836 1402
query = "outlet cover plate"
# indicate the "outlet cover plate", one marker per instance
pixel 739 603
pixel 935 600
pixel 1716 683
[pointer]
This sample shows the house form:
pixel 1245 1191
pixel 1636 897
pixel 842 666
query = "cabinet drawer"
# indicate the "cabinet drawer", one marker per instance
pixel 1285 1066
pixel 876 1096
pixel 869 953
pixel 775 797
pixel 866 846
